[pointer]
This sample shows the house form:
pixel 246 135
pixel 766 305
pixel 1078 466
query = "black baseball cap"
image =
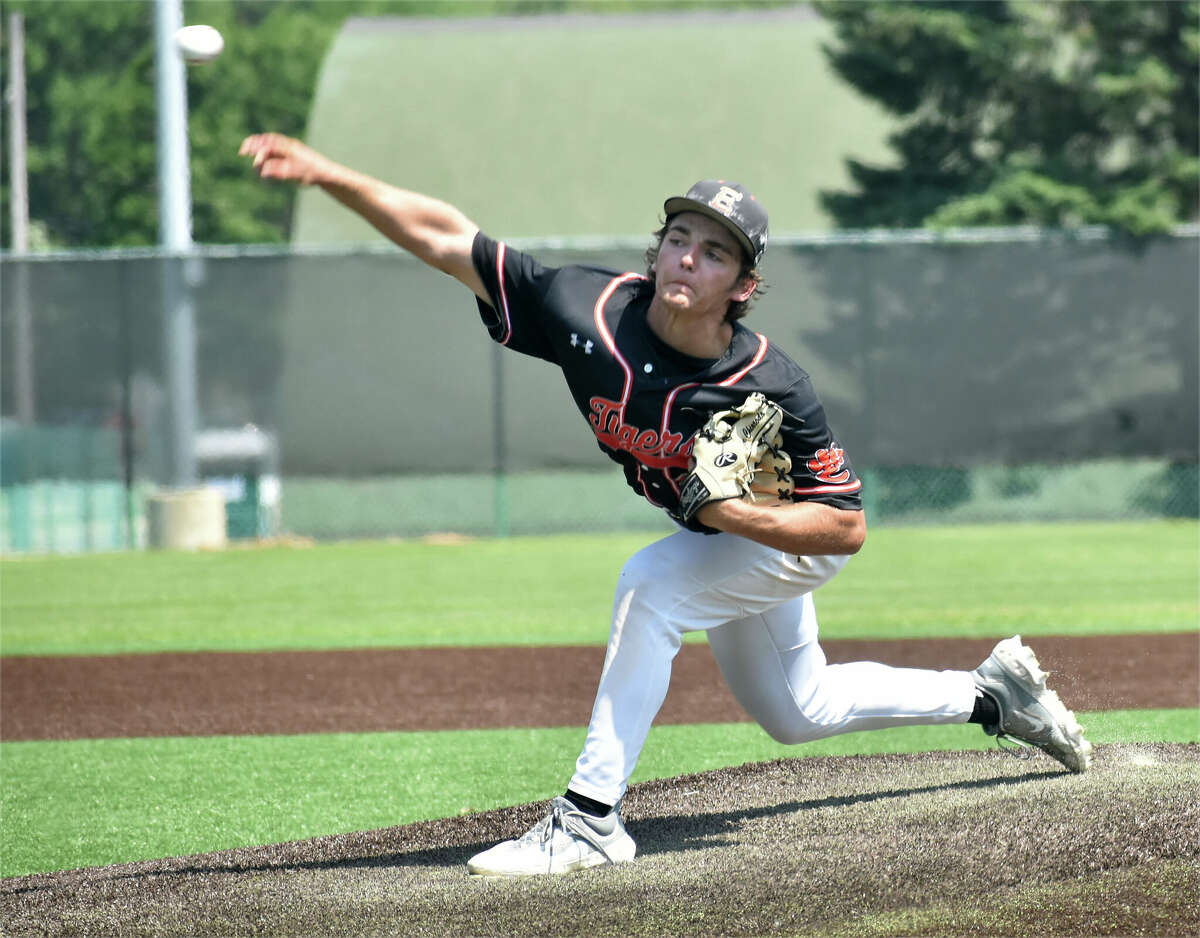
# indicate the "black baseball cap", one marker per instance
pixel 733 206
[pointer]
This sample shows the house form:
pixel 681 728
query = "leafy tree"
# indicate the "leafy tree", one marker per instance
pixel 1015 112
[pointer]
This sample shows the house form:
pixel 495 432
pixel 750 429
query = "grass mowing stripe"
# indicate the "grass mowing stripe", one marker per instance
pixel 970 581
pixel 95 802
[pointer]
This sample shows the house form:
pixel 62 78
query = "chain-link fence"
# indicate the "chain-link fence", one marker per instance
pixel 985 375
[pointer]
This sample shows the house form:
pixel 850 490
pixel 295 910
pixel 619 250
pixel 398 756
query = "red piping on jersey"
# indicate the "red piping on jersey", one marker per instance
pixel 758 357
pixel 606 336
pixel 666 422
pixel 728 382
pixel 602 328
pixel 508 331
pixel 826 489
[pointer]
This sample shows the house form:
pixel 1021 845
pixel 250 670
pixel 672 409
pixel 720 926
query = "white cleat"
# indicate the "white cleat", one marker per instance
pixel 1030 712
pixel 565 840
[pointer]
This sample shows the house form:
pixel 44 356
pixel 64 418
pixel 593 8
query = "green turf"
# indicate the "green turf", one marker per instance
pixel 983 581
pixel 94 802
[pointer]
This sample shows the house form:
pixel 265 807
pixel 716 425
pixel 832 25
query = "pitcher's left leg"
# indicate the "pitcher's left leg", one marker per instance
pixel 776 669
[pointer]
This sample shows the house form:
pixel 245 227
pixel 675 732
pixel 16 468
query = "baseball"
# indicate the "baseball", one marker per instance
pixel 199 44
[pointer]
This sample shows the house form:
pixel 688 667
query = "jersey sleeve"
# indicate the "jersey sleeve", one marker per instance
pixel 517 286
pixel 821 469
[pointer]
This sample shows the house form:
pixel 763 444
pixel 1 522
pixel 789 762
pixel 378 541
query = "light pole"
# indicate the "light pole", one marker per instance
pixel 175 238
pixel 23 360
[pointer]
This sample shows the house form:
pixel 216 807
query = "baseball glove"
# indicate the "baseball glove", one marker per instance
pixel 728 456
pixel 772 478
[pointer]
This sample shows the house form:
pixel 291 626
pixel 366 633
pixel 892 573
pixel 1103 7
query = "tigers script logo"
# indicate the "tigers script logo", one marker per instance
pixel 651 448
pixel 827 465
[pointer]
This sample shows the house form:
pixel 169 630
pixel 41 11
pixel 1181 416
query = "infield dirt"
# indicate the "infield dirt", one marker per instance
pixel 378 690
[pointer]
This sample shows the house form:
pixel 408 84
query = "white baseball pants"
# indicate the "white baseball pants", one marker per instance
pixel 756 605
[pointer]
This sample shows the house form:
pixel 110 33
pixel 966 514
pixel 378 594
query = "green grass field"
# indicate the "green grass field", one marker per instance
pixel 69 804
pixel 907 582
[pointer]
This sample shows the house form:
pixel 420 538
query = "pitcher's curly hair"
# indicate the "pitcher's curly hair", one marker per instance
pixel 738 309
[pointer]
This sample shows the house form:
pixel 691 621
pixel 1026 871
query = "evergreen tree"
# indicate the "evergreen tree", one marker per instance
pixel 1057 114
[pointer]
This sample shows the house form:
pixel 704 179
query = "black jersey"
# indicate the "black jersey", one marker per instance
pixel 644 399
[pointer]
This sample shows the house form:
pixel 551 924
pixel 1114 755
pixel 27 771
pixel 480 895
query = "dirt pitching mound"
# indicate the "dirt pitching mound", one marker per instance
pixel 930 844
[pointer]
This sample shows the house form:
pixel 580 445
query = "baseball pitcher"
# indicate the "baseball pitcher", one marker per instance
pixel 714 424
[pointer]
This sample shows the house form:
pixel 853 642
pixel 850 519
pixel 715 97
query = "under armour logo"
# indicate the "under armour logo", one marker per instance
pixel 585 344
pixel 726 200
